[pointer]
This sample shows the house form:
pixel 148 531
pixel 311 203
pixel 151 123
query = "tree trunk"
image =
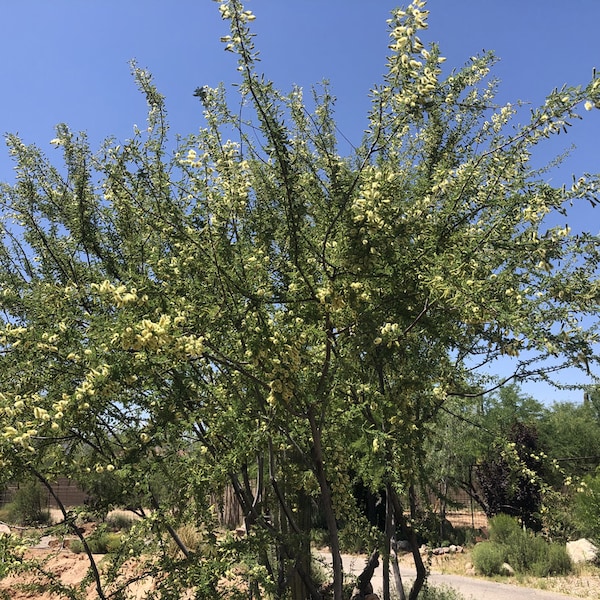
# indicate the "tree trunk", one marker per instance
pixel 302 568
pixel 421 577
pixel 397 576
pixel 329 513
pixel 388 534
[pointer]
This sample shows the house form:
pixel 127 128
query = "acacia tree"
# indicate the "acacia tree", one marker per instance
pixel 253 309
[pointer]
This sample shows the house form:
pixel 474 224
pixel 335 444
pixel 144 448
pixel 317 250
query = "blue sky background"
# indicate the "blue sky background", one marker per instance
pixel 67 61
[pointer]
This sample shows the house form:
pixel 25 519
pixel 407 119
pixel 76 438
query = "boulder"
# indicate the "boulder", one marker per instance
pixel 506 569
pixel 4 528
pixel 582 550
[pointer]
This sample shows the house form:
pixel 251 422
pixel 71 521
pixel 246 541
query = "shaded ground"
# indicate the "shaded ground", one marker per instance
pixel 448 570
pixel 71 568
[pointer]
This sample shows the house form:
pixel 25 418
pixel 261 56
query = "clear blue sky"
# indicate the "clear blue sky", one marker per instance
pixel 67 61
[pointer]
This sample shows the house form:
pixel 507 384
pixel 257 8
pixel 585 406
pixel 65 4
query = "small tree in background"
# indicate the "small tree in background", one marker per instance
pixel 253 309
pixel 29 505
pixel 587 507
pixel 510 477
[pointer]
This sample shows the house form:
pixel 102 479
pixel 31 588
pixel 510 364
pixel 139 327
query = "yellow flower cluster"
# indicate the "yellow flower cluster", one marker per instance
pixel 284 365
pixel 501 118
pixel 228 12
pixel 13 335
pixel 194 160
pixel 23 428
pixel 410 61
pixel 148 335
pixel 388 333
pixel 119 295
pixel 161 336
pixel 370 207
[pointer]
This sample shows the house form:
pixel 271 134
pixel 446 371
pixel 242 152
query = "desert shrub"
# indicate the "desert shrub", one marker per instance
pixel 555 561
pixel 523 550
pixel 76 546
pixel 28 506
pixel 439 593
pixel 197 540
pixel 503 528
pixel 100 542
pixel 488 557
pixel 190 537
pixel 119 522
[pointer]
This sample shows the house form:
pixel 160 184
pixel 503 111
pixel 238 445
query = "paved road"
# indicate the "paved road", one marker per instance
pixel 480 589
pixel 469 587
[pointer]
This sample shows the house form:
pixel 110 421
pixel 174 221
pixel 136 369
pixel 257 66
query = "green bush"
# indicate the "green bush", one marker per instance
pixel 103 542
pixel 29 506
pixel 522 550
pixel 488 557
pixel 556 561
pixel 503 528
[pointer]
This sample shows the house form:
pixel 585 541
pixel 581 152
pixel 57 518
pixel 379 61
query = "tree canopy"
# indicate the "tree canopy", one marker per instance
pixel 246 307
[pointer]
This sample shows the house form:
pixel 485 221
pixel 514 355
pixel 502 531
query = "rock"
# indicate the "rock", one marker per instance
pixel 403 545
pixel 582 550
pixel 4 529
pixel 452 549
pixel 44 543
pixel 506 569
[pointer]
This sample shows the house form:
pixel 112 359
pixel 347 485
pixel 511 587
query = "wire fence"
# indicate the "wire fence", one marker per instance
pixel 67 491
pixel 228 510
